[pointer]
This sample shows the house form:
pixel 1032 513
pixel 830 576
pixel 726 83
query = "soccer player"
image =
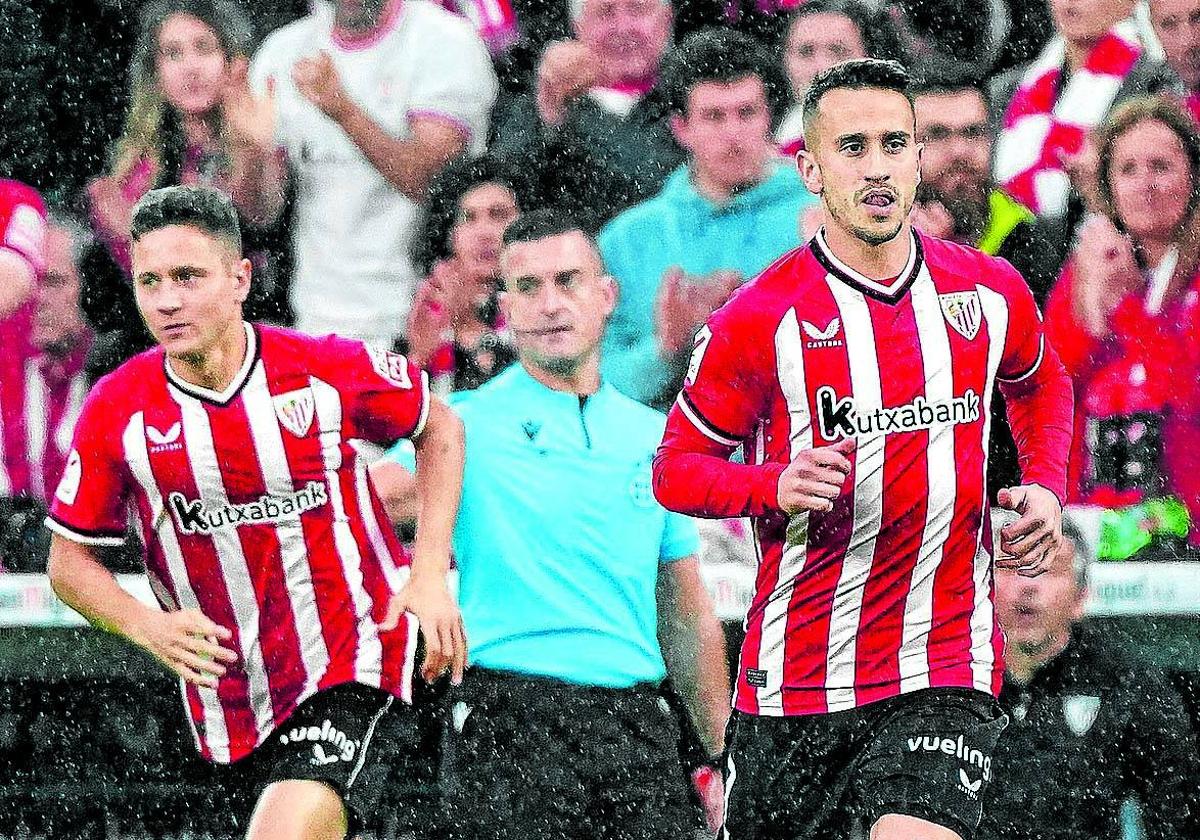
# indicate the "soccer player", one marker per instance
pixel 856 374
pixel 265 543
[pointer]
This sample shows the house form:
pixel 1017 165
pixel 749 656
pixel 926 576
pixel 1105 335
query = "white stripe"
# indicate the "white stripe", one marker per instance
pixel 424 416
pixel 235 570
pixel 942 488
pixel 366 742
pixel 293 551
pixel 411 633
pixel 789 354
pixel 868 500
pixel 995 313
pixel 702 426
pixel 36 422
pixel 66 426
pixel 369 656
pixel 133 442
pixel 82 539
pixel 379 544
pixel 730 778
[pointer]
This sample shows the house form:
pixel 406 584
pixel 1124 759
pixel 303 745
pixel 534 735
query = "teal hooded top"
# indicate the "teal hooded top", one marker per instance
pixel 680 227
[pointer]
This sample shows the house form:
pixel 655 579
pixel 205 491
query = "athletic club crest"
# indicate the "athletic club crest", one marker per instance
pixel 1080 712
pixel 963 312
pixel 295 410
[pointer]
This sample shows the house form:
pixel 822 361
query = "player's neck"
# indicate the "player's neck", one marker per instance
pixel 216 367
pixel 583 380
pixel 878 262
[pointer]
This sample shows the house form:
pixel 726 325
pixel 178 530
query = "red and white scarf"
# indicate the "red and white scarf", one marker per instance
pixel 1042 122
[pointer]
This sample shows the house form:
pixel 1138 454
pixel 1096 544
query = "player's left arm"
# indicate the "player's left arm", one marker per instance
pixel 1040 405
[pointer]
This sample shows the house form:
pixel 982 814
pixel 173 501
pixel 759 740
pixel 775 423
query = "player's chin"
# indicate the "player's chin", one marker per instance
pixel 878 231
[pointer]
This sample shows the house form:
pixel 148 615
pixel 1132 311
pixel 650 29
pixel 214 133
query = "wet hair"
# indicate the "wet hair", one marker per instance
pixel 200 207
pixel 446 193
pixel 723 56
pixel 856 74
pixel 542 224
pixel 1159 109
pixel 152 127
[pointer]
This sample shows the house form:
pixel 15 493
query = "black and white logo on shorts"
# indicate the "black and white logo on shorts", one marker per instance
pixel 329 744
pixel 977 767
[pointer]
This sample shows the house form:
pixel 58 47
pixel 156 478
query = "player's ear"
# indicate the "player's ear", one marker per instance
pixel 243 270
pixel 610 291
pixel 810 171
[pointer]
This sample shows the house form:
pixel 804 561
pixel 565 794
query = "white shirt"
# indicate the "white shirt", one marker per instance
pixel 353 232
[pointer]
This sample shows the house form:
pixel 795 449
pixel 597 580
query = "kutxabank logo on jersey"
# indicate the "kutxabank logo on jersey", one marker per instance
pixel 842 418
pixel 195 517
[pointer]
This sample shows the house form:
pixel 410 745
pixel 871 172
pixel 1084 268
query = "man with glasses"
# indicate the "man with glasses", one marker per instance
pixel 957 199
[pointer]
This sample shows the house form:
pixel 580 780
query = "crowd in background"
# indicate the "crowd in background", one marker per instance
pixel 376 150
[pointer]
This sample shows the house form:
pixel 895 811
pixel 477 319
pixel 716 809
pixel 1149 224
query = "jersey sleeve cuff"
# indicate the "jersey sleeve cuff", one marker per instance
pixel 424 416
pixel 95 538
pixel 1037 363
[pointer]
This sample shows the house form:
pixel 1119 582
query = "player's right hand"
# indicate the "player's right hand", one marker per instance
pixel 815 477
pixel 187 642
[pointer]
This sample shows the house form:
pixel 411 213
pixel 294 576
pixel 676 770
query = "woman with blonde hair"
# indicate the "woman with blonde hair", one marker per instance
pixel 1125 320
pixel 191 119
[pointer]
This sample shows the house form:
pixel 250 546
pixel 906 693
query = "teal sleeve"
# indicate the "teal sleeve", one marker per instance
pixel 630 359
pixel 680 538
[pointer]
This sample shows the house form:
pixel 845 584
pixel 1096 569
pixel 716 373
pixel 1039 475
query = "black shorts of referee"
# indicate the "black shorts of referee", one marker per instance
pixel 532 758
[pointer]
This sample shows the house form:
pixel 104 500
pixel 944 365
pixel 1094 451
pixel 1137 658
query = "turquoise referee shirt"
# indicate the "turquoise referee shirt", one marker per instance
pixel 559 538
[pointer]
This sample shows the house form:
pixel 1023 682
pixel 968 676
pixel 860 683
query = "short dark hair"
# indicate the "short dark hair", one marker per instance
pixel 542 224
pixel 196 206
pixel 446 193
pixel 875 28
pixel 723 56
pixel 945 88
pixel 857 74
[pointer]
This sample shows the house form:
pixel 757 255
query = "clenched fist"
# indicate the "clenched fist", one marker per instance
pixel 815 477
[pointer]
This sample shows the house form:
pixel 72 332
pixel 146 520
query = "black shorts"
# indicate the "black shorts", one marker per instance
pixel 927 754
pixel 539 759
pixel 347 736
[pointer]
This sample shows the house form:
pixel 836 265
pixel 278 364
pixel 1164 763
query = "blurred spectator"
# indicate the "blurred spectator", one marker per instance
pixel 722 217
pixel 1177 25
pixel 591 130
pixel 374 98
pixel 1095 61
pixel 54 379
pixel 819 35
pixel 1088 728
pixel 455 331
pixel 958 200
pixel 22 260
pixel 1125 319
pixel 191 119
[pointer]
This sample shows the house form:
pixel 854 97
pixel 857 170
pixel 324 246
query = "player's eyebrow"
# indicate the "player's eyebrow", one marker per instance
pixel 897 135
pixel 856 137
pixel 569 274
pixel 189 270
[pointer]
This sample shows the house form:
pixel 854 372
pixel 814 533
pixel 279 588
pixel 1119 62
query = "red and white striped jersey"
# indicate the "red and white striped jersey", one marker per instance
pixel 891 591
pixel 54 388
pixel 255 508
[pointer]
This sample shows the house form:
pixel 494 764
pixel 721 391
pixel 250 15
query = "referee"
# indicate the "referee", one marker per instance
pixel 562 727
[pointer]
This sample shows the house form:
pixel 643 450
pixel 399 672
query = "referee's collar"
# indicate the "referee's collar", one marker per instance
pixel 534 386
pixel 888 293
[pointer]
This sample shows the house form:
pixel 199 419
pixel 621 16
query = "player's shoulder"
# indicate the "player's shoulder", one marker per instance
pixel 133 386
pixel 774 290
pixel 951 262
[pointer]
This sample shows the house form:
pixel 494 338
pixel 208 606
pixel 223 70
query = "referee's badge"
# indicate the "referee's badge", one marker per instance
pixel 295 410
pixel 963 312
pixel 1080 712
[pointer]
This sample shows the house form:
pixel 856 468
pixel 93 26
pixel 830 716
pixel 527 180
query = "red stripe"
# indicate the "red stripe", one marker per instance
pixel 905 502
pixel 374 584
pixel 277 636
pixel 208 583
pixel 395 643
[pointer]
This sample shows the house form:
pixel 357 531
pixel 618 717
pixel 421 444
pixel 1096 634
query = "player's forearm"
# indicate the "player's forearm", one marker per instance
pixel 406 164
pixel 1041 414
pixel 710 486
pixel 712 676
pixel 440 453
pixel 86 586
